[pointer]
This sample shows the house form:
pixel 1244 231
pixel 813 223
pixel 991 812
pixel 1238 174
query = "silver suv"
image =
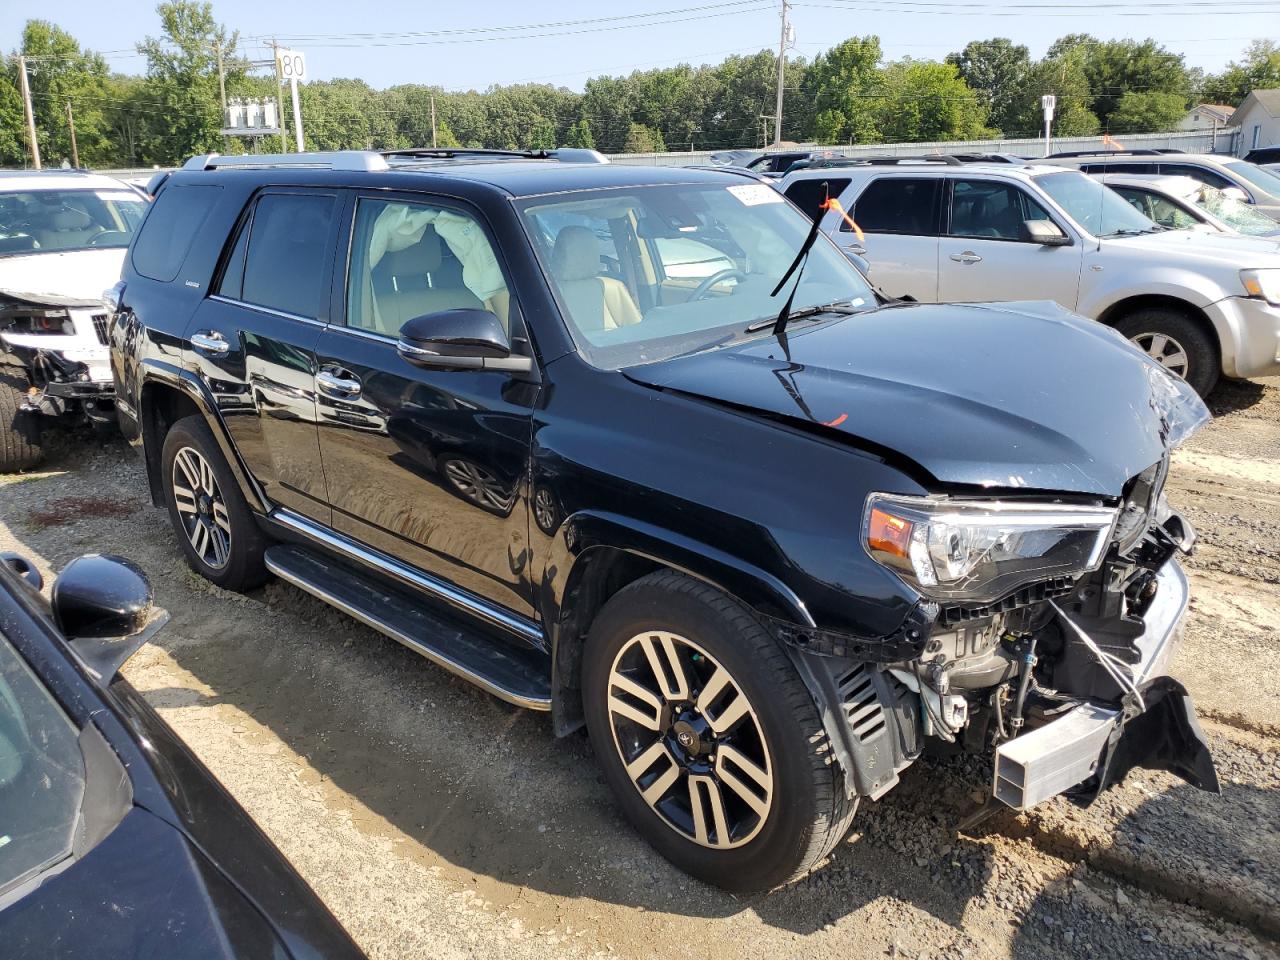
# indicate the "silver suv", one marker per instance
pixel 937 230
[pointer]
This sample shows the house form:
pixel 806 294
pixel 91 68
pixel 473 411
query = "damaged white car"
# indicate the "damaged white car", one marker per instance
pixel 63 236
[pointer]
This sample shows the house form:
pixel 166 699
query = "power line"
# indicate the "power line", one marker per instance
pixel 1117 11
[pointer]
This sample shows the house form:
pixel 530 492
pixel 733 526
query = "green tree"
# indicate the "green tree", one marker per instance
pixel 1064 77
pixel 579 135
pixel 1116 67
pixel 996 69
pixel 13 137
pixel 840 84
pixel 925 101
pixel 640 139
pixel 1148 111
pixel 182 81
pixel 1259 70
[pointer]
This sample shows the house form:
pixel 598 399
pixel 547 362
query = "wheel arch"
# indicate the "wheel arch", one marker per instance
pixel 168 394
pixel 1117 311
pixel 595 555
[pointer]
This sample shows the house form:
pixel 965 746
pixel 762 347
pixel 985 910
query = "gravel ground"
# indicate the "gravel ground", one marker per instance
pixel 438 822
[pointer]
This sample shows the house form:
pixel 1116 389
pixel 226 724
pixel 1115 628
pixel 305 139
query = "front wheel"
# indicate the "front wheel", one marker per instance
pixel 708 736
pixel 19 428
pixel 1177 343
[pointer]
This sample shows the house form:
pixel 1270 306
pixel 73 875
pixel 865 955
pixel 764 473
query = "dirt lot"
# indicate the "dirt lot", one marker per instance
pixel 437 822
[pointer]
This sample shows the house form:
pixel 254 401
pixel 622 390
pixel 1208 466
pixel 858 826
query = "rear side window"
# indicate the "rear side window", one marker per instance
pixel 809 195
pixel 284 257
pixel 1196 173
pixel 899 205
pixel 1119 167
pixel 171 227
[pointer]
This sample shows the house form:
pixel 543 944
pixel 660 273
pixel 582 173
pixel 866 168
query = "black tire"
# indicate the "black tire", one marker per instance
pixel 242 567
pixel 809 813
pixel 19 430
pixel 1203 365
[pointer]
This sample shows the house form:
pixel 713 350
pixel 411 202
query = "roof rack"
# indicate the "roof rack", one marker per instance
pixel 563 154
pixel 320 160
pixel 1107 153
pixel 822 162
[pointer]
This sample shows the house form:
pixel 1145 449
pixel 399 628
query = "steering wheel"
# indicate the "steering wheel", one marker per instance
pixel 718 277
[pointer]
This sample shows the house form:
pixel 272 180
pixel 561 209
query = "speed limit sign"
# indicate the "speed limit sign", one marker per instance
pixel 293 65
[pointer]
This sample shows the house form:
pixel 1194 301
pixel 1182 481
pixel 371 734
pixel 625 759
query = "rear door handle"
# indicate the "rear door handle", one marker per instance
pixel 338 383
pixel 210 341
pixel 967 257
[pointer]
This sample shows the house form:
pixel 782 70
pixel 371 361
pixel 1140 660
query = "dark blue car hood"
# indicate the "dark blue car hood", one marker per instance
pixel 1020 395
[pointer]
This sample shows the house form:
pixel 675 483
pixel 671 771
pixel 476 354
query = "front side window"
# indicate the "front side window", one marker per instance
pixel 1264 180
pixel 409 259
pixel 906 205
pixel 1094 206
pixel 1236 213
pixel 697 264
pixel 50 221
pixel 991 210
pixel 41 774
pixel 285 253
pixel 1158 208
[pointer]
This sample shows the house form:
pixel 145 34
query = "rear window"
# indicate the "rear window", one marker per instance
pixel 170 228
pixel 284 263
pixel 899 205
pixel 809 195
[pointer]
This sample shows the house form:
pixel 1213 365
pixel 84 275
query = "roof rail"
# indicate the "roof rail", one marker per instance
pixel 564 154
pixel 822 162
pixel 319 160
pixel 1106 153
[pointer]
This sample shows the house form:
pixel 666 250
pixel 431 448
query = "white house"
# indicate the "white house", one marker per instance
pixel 1258 118
pixel 1206 116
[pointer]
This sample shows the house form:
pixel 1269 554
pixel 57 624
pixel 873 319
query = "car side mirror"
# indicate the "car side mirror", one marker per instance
pixel 462 339
pixel 1235 193
pixel 1044 232
pixel 105 608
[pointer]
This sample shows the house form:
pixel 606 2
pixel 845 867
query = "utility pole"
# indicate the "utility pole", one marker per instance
pixel 26 109
pixel 275 58
pixel 222 80
pixel 782 64
pixel 71 125
pixel 433 120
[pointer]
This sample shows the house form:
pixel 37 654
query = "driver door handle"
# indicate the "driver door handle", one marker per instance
pixel 967 257
pixel 211 342
pixel 338 383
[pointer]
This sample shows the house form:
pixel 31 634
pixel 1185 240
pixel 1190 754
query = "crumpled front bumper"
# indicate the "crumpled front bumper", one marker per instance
pixel 1093 746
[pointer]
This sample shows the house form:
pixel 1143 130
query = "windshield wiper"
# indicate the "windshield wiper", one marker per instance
pixel 1131 232
pixel 842 307
pixel 797 267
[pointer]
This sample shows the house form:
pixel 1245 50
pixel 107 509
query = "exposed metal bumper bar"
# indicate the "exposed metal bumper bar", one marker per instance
pixel 1050 759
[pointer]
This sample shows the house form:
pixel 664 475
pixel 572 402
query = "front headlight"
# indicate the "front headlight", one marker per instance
pixel 1264 284
pixel 977 551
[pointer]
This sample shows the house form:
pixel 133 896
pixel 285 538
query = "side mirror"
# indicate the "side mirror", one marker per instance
pixel 1044 232
pixel 105 608
pixel 462 339
pixel 857 256
pixel 1235 193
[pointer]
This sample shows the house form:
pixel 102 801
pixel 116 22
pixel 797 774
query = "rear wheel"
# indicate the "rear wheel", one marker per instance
pixel 19 429
pixel 1176 342
pixel 708 737
pixel 215 527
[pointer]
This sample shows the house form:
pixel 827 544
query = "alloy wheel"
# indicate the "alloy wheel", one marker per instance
pixel 478 485
pixel 1164 350
pixel 690 740
pixel 201 508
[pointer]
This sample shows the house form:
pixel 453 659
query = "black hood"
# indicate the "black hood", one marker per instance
pixel 1010 396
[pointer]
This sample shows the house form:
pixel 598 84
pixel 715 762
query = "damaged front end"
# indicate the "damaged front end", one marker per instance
pixel 1042 635
pixel 62 344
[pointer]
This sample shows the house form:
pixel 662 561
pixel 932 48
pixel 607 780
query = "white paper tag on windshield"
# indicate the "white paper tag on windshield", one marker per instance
pixel 752 194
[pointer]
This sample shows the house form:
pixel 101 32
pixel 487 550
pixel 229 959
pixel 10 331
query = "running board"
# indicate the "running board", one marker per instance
pixel 518 676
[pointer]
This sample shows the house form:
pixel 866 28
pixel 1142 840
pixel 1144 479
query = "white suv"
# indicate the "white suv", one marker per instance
pixel 63 236
pixel 939 230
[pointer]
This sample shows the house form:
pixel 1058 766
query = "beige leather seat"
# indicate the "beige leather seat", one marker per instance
pixel 594 302
pixel 70 229
pixel 415 281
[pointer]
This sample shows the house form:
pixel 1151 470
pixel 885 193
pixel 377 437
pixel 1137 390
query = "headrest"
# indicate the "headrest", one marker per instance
pixel 423 257
pixel 576 255
pixel 69 219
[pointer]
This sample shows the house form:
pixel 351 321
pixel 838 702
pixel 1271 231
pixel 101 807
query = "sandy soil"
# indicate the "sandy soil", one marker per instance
pixel 437 822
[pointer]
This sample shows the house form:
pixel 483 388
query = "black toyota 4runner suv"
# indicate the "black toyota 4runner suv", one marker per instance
pixel 635 447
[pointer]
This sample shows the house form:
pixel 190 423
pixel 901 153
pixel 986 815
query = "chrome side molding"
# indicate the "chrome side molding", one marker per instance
pixel 492 614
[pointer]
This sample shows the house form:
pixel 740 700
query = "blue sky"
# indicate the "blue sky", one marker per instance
pixel 398 48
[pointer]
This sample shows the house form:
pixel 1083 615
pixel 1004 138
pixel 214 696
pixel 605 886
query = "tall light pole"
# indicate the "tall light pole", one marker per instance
pixel 29 115
pixel 782 64
pixel 1047 103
